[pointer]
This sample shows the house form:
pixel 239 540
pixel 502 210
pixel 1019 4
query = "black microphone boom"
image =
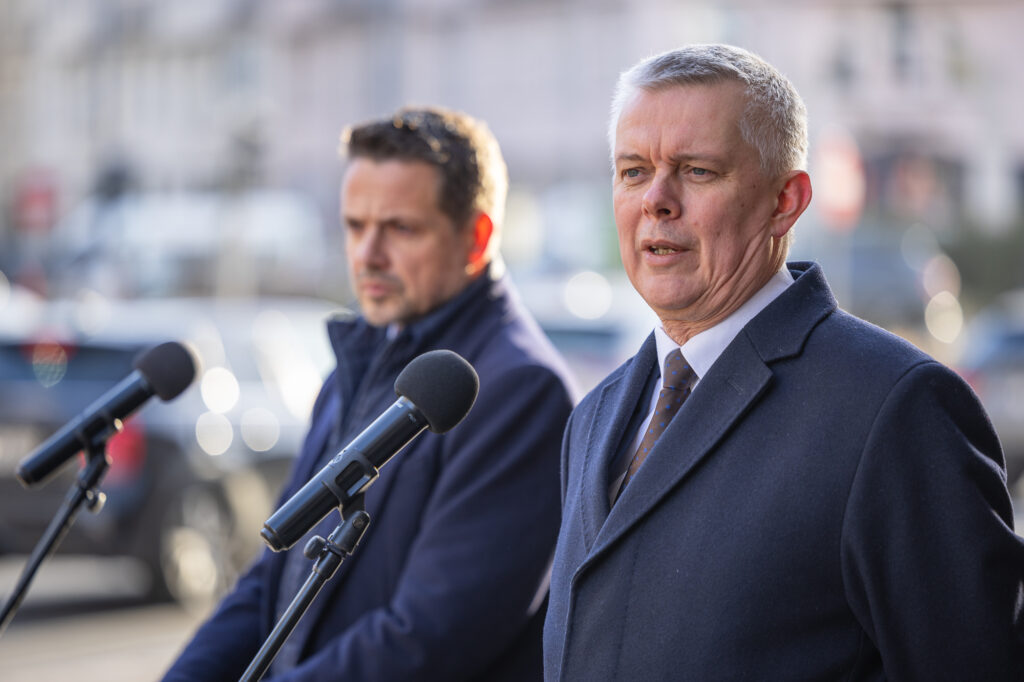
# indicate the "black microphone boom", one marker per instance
pixel 165 371
pixel 436 390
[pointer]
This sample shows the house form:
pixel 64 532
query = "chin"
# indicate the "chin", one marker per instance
pixel 663 303
pixel 377 316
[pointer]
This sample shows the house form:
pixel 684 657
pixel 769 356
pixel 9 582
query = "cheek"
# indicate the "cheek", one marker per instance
pixel 626 204
pixel 627 253
pixel 625 222
pixel 434 272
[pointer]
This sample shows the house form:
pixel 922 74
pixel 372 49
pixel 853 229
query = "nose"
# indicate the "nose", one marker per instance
pixel 663 199
pixel 369 248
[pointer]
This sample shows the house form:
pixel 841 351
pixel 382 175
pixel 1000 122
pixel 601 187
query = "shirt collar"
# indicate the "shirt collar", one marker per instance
pixel 702 350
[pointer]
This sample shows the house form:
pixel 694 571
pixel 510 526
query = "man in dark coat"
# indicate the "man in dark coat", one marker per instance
pixel 449 581
pixel 800 495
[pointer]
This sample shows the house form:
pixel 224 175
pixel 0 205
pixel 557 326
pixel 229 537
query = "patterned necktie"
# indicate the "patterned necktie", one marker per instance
pixel 677 382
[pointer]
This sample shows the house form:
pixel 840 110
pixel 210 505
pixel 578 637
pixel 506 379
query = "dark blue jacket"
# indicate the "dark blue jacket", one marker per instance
pixel 448 582
pixel 829 504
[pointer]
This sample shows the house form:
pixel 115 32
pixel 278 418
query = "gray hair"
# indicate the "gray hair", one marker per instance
pixel 774 121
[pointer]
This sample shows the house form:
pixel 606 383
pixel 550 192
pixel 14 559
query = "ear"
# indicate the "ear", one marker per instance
pixel 793 198
pixel 478 238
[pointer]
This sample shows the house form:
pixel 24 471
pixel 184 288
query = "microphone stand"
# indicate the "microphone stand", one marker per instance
pixel 327 556
pixel 83 490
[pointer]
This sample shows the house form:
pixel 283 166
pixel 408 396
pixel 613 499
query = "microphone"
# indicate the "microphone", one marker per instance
pixel 437 389
pixel 165 370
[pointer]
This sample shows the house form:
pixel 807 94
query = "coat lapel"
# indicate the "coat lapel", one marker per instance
pixel 719 400
pixel 605 433
pixel 729 390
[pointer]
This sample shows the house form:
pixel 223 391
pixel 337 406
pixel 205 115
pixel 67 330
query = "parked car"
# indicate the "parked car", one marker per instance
pixel 994 366
pixel 192 480
pixel 596 321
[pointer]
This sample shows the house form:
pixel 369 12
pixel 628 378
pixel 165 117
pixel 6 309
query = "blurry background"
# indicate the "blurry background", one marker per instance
pixel 170 170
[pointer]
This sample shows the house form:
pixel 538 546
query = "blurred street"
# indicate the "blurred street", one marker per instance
pixel 83 620
pixel 112 644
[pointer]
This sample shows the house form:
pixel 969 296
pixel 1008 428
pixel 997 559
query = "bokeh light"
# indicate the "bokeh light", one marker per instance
pixel 944 317
pixel 260 429
pixel 940 274
pixel 214 433
pixel 588 295
pixel 219 389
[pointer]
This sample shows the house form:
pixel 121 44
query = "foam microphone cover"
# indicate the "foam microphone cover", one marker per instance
pixel 168 368
pixel 442 386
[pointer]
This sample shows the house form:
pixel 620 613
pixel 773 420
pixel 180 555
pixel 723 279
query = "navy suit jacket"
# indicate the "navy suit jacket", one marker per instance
pixel 449 580
pixel 829 504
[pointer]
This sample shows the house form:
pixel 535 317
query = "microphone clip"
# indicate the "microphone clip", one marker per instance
pixel 357 464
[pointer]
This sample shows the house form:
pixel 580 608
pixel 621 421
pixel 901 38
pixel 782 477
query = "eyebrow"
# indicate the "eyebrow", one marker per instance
pixel 629 157
pixel 697 157
pixel 391 219
pixel 677 159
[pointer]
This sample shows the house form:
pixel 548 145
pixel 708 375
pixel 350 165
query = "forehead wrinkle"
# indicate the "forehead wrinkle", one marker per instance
pixel 655 139
pixel 629 156
pixel 685 158
pixel 675 159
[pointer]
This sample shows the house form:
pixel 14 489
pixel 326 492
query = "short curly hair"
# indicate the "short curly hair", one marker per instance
pixel 473 174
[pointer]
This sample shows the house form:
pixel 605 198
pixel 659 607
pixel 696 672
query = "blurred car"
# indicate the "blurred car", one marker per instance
pixel 191 480
pixel 994 367
pixel 875 272
pixel 596 320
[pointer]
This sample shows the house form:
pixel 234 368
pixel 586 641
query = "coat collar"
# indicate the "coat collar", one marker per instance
pixel 357 344
pixel 740 376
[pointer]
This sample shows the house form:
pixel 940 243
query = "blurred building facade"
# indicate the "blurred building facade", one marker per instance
pixel 230 95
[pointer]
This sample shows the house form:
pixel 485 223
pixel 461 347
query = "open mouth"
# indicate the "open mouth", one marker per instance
pixel 662 250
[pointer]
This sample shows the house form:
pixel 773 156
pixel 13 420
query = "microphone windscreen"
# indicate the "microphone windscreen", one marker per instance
pixel 168 368
pixel 442 386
